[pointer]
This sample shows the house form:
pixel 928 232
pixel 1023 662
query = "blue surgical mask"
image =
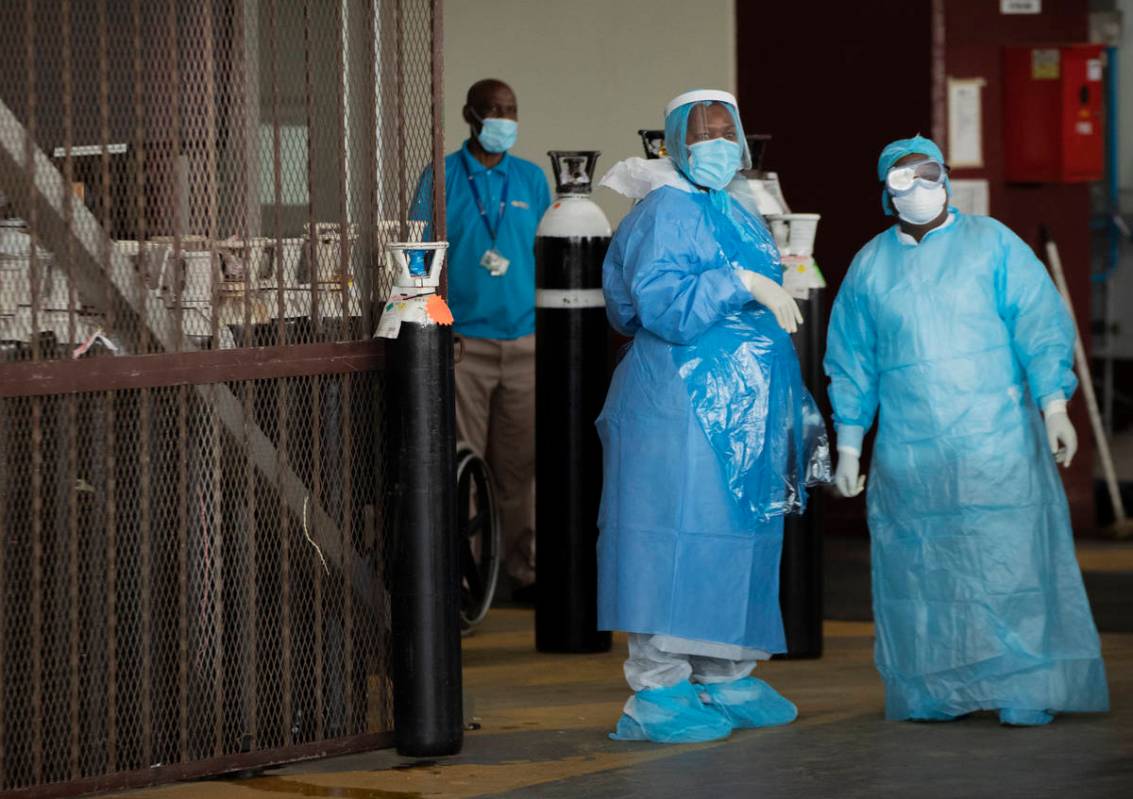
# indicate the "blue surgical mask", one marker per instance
pixel 713 163
pixel 498 135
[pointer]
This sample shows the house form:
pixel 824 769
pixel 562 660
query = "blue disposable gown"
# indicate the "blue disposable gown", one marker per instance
pixel 708 433
pixel 977 595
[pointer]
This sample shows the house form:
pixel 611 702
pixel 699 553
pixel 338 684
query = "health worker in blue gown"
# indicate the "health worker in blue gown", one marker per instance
pixel 709 437
pixel 948 329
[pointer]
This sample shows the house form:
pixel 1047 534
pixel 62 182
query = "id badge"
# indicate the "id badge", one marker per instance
pixel 494 262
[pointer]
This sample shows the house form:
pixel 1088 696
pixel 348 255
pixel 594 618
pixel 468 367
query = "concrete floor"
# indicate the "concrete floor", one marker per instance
pixel 544 721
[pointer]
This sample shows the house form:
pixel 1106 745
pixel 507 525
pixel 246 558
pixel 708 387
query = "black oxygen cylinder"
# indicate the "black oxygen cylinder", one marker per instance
pixel 571 379
pixel 800 569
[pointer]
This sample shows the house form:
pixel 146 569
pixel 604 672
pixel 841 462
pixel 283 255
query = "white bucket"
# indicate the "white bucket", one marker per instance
pixel 803 229
pixel 780 230
pixel 197 275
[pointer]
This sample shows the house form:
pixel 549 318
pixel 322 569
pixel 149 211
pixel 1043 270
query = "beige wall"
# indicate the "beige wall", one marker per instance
pixel 588 73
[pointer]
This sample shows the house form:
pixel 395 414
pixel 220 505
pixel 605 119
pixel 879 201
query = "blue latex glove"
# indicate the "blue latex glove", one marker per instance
pixel 670 715
pixel 749 702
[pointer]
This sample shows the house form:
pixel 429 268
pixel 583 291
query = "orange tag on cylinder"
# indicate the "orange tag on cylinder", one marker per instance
pixel 438 310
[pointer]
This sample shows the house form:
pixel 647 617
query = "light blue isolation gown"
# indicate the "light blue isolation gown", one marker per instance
pixel 977 596
pixel 708 434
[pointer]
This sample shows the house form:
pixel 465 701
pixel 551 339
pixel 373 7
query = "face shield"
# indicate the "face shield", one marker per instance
pixel 691 113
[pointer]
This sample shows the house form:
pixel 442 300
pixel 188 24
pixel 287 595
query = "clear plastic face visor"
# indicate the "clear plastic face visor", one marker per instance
pixel 902 179
pixel 711 122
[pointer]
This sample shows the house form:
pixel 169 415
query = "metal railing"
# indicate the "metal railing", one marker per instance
pixel 194 496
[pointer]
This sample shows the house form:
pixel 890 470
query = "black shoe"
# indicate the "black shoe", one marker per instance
pixel 524 595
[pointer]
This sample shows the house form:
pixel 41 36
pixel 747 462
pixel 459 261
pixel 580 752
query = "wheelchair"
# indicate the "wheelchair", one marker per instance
pixel 478 527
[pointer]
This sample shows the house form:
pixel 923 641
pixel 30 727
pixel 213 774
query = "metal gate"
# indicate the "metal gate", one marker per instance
pixel 193 493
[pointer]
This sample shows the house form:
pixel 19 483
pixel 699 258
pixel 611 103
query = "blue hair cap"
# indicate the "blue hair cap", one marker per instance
pixel 895 151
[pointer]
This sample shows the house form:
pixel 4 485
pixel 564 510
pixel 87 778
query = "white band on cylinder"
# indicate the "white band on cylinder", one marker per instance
pixel 569 298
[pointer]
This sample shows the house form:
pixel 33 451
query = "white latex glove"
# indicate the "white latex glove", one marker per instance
pixel 774 297
pixel 847 478
pixel 1060 435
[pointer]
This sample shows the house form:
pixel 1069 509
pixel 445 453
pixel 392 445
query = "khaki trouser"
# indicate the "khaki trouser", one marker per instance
pixel 495 415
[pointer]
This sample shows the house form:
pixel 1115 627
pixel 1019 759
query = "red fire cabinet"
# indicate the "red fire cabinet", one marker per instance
pixel 1052 115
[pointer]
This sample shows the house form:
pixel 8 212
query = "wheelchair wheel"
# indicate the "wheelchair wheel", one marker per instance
pixel 478 526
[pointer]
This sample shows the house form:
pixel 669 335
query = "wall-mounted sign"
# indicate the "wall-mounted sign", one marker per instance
pixel 970 196
pixel 965 122
pixel 1046 64
pixel 1020 6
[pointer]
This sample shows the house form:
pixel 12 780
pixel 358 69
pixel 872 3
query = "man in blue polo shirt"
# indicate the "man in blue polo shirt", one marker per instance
pixel 494 202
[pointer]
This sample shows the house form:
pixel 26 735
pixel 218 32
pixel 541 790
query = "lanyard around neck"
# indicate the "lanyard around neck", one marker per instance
pixel 493 229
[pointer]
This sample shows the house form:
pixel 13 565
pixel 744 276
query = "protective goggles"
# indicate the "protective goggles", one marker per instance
pixel 904 178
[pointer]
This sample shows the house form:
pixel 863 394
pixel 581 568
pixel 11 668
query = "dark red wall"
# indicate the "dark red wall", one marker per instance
pixel 833 83
pixel 975 34
pixel 826 81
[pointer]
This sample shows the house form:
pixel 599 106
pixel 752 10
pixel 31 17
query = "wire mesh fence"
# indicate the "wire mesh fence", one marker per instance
pixel 194 200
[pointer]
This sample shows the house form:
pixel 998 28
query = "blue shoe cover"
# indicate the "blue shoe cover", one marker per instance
pixel 932 715
pixel 749 702
pixel 671 715
pixel 1024 718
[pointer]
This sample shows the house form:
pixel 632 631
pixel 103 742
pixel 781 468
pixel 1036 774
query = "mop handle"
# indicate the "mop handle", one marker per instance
pixel 1083 368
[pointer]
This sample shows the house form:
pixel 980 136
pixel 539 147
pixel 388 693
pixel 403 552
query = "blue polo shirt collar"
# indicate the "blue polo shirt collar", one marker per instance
pixel 474 167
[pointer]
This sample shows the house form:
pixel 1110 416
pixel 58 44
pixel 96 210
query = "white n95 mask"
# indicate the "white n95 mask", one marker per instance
pixel 920 205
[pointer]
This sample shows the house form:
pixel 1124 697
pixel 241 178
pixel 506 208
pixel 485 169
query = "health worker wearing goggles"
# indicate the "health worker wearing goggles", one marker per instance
pixel 948 330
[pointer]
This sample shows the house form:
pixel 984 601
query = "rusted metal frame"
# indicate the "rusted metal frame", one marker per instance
pixel 345 427
pixel 281 386
pixel 316 492
pixel 104 159
pixel 144 421
pixel 182 575
pixel 440 227
pixel 5 472
pixel 215 529
pixel 69 167
pixel 371 182
pixel 344 244
pixel 312 235
pixel 175 337
pixel 37 587
pixel 36 532
pixel 250 612
pixel 316 432
pixel 347 523
pixel 110 505
pixel 93 279
pixel 145 567
pixel 111 538
pixel 277 175
pixel 29 164
pixel 249 651
pixel 55 555
pixel 211 201
pixel 139 163
pixel 402 162
pixel 140 778
pixel 72 414
pixel 237 102
pixel 204 367
pixel 74 634
pixel 73 598
pixel 215 526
